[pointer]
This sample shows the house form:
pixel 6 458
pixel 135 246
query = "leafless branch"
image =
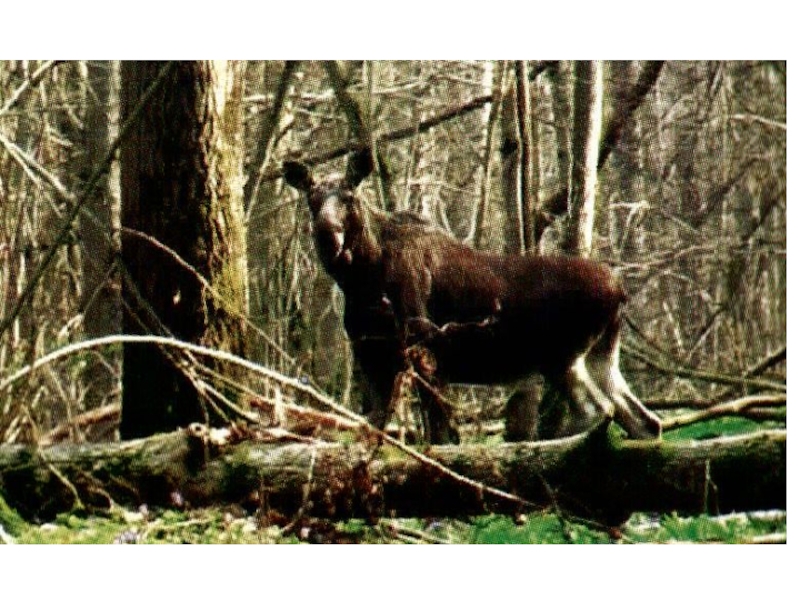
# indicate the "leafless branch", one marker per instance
pixel 29 83
pixel 740 406
pixel 689 373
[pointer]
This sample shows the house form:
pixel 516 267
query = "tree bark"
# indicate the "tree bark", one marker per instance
pixel 528 157
pixel 98 228
pixel 181 176
pixel 475 237
pixel 588 115
pixel 513 240
pixel 590 475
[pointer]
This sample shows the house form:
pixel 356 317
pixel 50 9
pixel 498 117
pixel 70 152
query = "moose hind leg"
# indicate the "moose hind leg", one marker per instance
pixel 603 364
pixel 571 403
pixel 598 400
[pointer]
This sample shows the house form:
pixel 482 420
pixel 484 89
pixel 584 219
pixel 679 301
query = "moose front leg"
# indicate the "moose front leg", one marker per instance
pixel 380 361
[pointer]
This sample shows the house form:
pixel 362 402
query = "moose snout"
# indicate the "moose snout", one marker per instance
pixel 330 243
pixel 330 232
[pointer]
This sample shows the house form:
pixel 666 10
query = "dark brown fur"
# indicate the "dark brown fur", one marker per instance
pixel 485 318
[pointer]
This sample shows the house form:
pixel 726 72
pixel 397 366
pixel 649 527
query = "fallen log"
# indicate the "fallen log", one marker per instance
pixel 593 475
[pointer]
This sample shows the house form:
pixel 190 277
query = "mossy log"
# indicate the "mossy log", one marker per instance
pixel 593 475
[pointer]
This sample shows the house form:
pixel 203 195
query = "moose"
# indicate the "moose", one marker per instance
pixel 483 318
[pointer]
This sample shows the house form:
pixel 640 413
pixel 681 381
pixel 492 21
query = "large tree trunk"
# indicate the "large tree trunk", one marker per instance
pixel 588 474
pixel 181 176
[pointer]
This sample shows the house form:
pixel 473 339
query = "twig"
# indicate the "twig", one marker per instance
pixel 223 301
pixel 77 504
pixel 357 126
pixel 306 491
pixel 622 118
pixel 103 414
pixel 556 203
pixel 769 361
pixel 397 134
pixel 769 538
pixel 399 531
pixel 688 373
pixel 264 142
pixel 29 83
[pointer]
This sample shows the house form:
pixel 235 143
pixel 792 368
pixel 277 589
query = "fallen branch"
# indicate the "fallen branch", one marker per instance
pixel 732 407
pixel 108 414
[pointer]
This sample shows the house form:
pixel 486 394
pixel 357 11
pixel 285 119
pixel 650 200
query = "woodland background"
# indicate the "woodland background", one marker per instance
pixel 690 210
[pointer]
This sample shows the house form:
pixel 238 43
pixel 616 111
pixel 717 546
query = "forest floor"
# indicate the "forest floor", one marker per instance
pixel 230 525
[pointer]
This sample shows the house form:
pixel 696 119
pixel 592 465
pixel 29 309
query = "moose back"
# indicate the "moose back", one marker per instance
pixel 483 318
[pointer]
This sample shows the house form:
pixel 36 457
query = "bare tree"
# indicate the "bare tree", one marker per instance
pixel 528 157
pixel 588 107
pixel 514 236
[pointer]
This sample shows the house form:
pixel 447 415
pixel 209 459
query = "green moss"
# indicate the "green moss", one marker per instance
pixel 10 521
pixel 729 425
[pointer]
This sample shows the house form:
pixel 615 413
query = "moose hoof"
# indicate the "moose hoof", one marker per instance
pixel 653 429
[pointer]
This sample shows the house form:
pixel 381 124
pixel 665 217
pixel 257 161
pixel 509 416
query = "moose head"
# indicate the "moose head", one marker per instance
pixel 337 215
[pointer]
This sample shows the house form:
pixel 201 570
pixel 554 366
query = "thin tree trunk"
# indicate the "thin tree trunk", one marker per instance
pixel 646 81
pixel 181 187
pixel 497 82
pixel 528 156
pixel 98 229
pixel 562 115
pixel 266 130
pixel 588 106
pixel 513 240
pixel 627 164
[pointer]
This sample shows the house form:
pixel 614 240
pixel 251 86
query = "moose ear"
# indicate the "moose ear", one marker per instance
pixel 297 175
pixel 358 167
